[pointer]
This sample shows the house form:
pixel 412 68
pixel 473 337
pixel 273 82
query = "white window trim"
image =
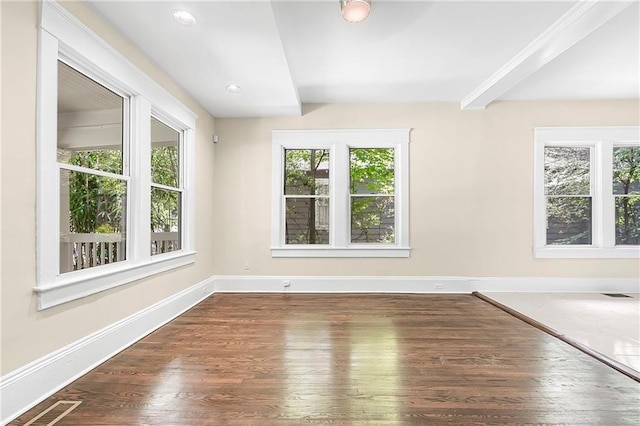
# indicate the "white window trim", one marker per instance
pixel 601 141
pixel 62 36
pixel 338 142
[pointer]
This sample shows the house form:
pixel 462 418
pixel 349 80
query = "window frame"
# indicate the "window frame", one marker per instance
pixel 338 143
pixel 170 122
pixel 601 141
pixel 62 37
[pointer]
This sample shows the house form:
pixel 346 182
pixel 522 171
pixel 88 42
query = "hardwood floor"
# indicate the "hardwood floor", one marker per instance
pixel 247 359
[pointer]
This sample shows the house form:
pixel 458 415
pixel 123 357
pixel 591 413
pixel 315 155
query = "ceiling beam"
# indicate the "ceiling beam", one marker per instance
pixel 583 18
pixel 287 61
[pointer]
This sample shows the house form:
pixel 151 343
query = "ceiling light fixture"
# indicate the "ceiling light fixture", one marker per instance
pixel 355 11
pixel 233 88
pixel 184 17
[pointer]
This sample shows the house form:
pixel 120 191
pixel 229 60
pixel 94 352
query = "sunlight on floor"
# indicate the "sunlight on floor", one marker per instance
pixel 609 325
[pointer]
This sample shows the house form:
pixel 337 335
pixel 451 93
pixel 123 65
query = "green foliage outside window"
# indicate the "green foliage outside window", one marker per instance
pixel 372 185
pixel 165 205
pixel 371 176
pixel 96 203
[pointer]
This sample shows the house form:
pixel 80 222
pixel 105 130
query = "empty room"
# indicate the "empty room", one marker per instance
pixel 349 212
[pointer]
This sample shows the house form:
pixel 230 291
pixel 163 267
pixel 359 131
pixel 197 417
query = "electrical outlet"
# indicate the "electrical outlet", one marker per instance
pixel 439 286
pixel 246 265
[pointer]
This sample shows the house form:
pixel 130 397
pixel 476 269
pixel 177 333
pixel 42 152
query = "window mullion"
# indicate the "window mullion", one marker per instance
pixel 606 202
pixel 340 201
pixel 140 194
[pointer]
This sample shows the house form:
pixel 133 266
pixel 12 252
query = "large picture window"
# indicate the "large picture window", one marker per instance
pixel 340 193
pixel 587 192
pixel 112 150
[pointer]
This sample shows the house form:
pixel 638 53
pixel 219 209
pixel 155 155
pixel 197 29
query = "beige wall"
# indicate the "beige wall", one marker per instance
pixel 26 334
pixel 471 180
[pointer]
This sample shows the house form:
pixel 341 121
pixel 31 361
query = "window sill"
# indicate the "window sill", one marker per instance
pixel 80 284
pixel 353 251
pixel 586 252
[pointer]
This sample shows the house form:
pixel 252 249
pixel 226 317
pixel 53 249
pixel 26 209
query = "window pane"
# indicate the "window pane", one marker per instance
pixel 165 154
pixel 373 220
pixel 90 120
pixel 627 220
pixel 626 170
pixel 306 171
pixel 307 221
pixel 92 220
pixel 566 171
pixel 569 220
pixel 372 170
pixel 166 221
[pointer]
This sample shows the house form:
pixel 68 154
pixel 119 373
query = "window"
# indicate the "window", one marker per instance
pixel 306 196
pixel 587 192
pixel 567 188
pixel 372 199
pixel 166 188
pixel 112 149
pixel 626 193
pixel 93 170
pixel 340 193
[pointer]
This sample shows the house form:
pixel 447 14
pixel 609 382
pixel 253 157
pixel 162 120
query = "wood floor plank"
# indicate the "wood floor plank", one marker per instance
pixel 258 359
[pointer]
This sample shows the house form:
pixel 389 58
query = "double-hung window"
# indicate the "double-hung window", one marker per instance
pixel 115 198
pixel 587 192
pixel 340 193
pixel 93 163
pixel 166 187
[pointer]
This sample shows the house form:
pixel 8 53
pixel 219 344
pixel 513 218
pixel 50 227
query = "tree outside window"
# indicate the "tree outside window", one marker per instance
pixel 626 190
pixel 587 192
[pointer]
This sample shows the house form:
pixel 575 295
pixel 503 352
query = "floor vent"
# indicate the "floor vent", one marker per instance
pixel 615 295
pixel 53 414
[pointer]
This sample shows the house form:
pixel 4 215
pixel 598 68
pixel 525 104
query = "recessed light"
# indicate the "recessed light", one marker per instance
pixel 184 17
pixel 233 88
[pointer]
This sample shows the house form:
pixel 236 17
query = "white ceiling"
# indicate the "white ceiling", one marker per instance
pixel 285 52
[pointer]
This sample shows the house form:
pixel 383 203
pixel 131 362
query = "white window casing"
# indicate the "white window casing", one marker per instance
pixel 600 141
pixel 338 143
pixel 62 37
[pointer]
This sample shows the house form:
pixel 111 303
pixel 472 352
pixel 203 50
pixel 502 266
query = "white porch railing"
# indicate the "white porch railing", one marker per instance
pixel 164 242
pixel 82 251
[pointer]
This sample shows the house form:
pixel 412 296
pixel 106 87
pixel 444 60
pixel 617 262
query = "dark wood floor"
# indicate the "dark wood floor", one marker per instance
pixel 349 360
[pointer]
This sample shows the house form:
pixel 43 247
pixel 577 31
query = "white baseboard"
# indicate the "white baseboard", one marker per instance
pixel 22 389
pixel 416 284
